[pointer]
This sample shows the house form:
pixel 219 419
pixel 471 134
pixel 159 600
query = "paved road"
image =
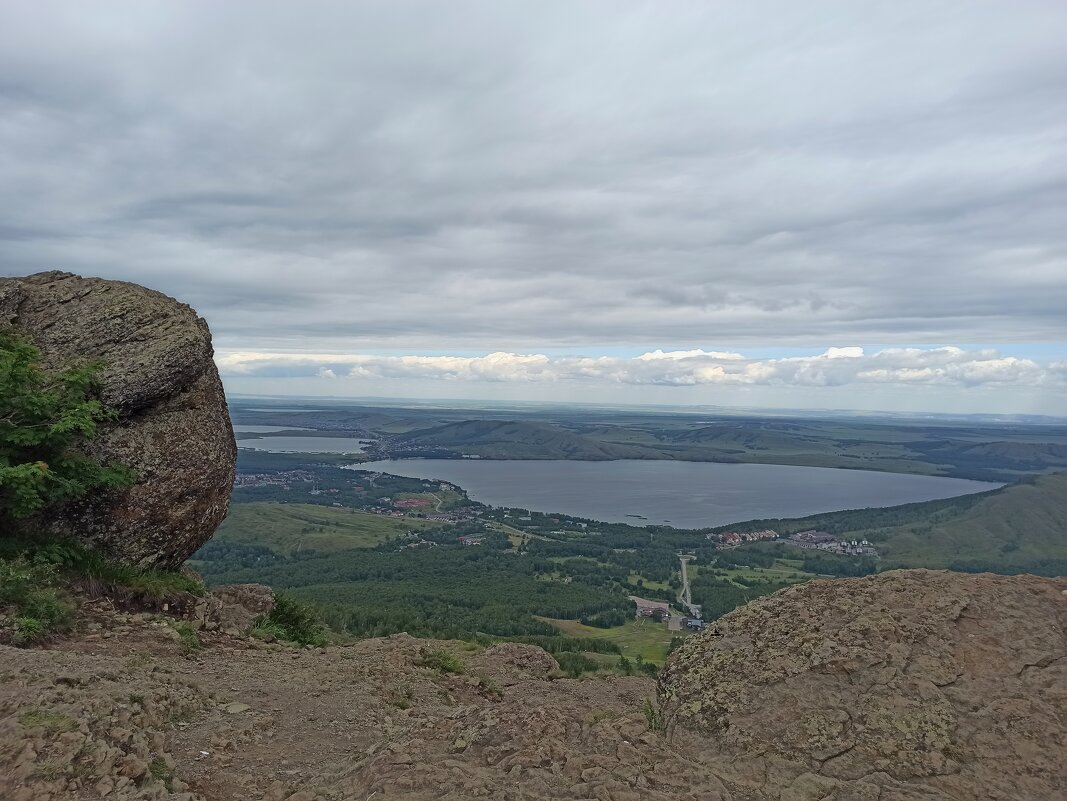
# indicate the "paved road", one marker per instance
pixel 685 596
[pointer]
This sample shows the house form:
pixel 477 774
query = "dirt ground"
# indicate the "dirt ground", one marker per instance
pixel 123 710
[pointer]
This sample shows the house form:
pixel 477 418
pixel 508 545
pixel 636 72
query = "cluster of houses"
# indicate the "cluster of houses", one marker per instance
pixel 273 479
pixel 660 611
pixel 731 539
pixel 657 613
pixel 418 543
pixel 471 539
pixel 825 541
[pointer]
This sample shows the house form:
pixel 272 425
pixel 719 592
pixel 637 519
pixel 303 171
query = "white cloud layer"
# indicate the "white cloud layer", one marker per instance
pixel 836 367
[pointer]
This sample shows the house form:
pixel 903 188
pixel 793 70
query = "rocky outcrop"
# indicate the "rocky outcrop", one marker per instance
pixel 173 427
pixel 234 608
pixel 906 685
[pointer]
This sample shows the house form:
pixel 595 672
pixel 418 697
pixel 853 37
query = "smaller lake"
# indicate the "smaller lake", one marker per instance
pixel 279 409
pixel 242 429
pixel 681 494
pixel 304 444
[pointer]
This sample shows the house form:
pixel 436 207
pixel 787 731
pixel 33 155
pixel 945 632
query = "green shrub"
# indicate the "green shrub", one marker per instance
pixel 266 629
pixel 575 664
pixel 653 717
pixel 81 563
pixel 159 770
pixel 51 722
pixel 40 608
pixel 442 661
pixel 188 638
pixel 43 418
pixel 294 621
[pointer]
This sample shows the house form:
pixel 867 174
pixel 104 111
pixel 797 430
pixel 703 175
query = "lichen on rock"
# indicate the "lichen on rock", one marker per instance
pixel 914 681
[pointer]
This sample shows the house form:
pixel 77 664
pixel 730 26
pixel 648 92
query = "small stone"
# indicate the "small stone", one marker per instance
pixel 133 767
pixel 235 708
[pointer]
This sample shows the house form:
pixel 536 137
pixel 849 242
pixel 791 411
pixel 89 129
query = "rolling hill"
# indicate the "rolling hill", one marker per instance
pixel 1020 528
pixel 492 439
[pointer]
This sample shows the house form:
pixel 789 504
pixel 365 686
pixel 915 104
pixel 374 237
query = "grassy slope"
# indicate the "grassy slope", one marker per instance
pixel 288 527
pixel 1013 529
pixel 644 638
pixel 1018 524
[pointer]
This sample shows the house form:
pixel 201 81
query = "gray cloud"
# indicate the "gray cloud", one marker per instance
pixel 511 176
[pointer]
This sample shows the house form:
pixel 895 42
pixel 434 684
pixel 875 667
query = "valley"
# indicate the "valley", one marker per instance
pixel 381 554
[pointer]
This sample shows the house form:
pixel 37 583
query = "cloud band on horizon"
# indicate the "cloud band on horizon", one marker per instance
pixel 943 366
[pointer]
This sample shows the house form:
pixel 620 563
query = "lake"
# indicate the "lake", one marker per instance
pixel 682 494
pixel 243 429
pixel 304 444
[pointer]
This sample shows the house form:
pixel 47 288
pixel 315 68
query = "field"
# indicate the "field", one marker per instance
pixel 633 578
pixel 644 638
pixel 781 570
pixel 287 528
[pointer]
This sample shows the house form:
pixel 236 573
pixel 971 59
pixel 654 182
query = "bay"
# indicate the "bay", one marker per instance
pixel 676 493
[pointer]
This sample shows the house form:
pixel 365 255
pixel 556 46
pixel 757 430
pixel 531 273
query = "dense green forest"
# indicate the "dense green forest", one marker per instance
pixel 444 591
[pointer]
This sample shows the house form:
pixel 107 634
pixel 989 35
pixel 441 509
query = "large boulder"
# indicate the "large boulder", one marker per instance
pixel 172 428
pixel 910 684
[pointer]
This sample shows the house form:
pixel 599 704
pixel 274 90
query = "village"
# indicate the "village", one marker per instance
pixel 812 540
pixel 824 541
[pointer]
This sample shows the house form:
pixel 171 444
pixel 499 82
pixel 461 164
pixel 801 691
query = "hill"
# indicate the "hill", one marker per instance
pixel 1017 529
pixel 1021 526
pixel 493 439
pixel 885 687
pixel 289 528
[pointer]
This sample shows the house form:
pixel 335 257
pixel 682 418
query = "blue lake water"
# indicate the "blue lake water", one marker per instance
pixel 682 494
pixel 238 428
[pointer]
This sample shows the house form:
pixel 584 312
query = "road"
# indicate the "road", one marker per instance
pixel 685 596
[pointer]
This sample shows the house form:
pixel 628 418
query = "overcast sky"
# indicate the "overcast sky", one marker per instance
pixel 829 204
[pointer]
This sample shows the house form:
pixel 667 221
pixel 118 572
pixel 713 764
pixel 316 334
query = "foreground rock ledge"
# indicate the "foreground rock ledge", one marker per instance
pixel 906 685
pixel 173 428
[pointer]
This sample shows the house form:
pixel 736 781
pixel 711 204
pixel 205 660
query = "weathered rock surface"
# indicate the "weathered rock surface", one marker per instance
pixel 906 685
pixel 912 685
pixel 173 429
pixel 241 605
